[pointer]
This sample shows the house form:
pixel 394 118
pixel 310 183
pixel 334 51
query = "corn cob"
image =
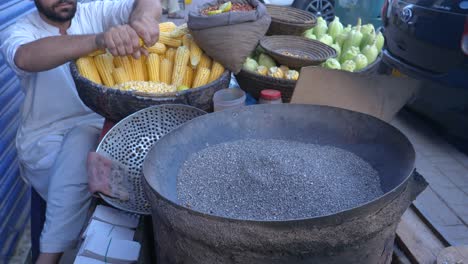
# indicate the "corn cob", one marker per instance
pixel 187 40
pixel 166 71
pixel 275 72
pixel 157 48
pixel 188 77
pixel 216 71
pixel 104 64
pixel 97 52
pixel 201 78
pixel 167 26
pixel 137 69
pixel 284 68
pixel 181 59
pixel 147 87
pixel 179 31
pixel 262 70
pixel 124 62
pixel 205 62
pixel 120 75
pixel 144 63
pixel 88 69
pixel 292 75
pixel 167 40
pixel 170 54
pixel 153 67
pixel 195 54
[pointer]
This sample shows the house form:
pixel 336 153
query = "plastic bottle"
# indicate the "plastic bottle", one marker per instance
pixel 270 96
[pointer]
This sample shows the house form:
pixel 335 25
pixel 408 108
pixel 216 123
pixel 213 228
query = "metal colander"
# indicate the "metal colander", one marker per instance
pixel 129 141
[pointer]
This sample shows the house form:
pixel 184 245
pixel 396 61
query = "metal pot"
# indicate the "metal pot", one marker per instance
pixel 364 234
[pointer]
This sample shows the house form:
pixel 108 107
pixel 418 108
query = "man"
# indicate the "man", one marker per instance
pixel 57 130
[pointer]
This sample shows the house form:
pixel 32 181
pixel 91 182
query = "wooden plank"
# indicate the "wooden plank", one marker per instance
pixel 453 255
pixel 417 240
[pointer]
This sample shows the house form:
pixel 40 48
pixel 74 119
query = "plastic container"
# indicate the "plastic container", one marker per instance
pixel 228 98
pixel 269 96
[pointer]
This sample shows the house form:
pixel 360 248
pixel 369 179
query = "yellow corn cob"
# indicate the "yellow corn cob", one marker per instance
pixel 144 62
pixel 180 63
pixel 88 69
pixel 167 40
pixel 167 26
pixel 284 68
pixel 120 75
pixel 195 54
pixel 147 87
pixel 137 69
pixel 179 31
pixel 203 74
pixel 216 71
pixel 187 40
pixel 124 62
pixel 170 54
pixel 105 65
pixel 97 52
pixel 188 78
pixel 262 70
pixel 275 72
pixel 205 62
pixel 153 67
pixel 157 48
pixel 165 74
pixel 292 75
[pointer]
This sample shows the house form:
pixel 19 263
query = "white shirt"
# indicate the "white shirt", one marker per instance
pixel 52 105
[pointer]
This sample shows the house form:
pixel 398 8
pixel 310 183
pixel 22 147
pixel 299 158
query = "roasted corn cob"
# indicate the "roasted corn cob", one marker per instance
pixel 195 54
pixel 153 67
pixel 120 75
pixel 165 74
pixel 179 31
pixel 167 40
pixel 180 64
pixel 205 62
pixel 216 71
pixel 104 64
pixel 201 78
pixel 147 87
pixel 157 48
pixel 137 69
pixel 167 26
pixel 88 69
pixel 188 77
pixel 187 40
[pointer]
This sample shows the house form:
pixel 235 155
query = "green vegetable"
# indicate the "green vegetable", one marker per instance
pixel 337 48
pixel 320 28
pixel 368 37
pixel 354 38
pixel 380 40
pixel 310 34
pixel 332 64
pixel 348 65
pixel 182 88
pixel 342 36
pixel 368 28
pixel 326 39
pixel 335 28
pixel 371 52
pixel 349 54
pixel 265 60
pixel 361 62
pixel 250 65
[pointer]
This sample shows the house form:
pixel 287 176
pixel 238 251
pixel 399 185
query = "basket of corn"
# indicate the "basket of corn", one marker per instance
pixel 289 20
pixel 176 71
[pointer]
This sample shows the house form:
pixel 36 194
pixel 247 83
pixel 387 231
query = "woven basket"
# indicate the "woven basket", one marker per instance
pixel 314 52
pixel 116 104
pixel 253 83
pixel 289 20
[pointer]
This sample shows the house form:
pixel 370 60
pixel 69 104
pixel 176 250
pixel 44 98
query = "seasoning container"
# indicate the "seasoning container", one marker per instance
pixel 228 98
pixel 270 96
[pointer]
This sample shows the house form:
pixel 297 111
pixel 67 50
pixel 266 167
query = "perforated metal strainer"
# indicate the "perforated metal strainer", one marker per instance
pixel 129 141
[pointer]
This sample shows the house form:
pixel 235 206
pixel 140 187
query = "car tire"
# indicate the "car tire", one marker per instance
pixel 323 8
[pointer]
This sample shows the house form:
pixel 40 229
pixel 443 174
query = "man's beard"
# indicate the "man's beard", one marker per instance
pixel 57 16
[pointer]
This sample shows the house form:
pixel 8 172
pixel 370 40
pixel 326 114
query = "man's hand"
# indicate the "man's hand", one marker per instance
pixel 120 41
pixel 147 28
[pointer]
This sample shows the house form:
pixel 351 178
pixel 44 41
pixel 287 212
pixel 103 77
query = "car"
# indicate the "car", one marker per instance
pixel 428 40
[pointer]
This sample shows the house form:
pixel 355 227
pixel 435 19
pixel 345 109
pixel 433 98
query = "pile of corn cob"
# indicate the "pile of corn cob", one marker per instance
pixel 174 63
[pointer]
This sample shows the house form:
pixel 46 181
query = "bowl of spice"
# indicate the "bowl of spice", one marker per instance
pixel 296 51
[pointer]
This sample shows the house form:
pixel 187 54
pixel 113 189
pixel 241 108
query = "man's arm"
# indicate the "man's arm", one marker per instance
pixel 144 20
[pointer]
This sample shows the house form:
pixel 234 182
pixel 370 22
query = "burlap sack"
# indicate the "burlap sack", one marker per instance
pixel 229 37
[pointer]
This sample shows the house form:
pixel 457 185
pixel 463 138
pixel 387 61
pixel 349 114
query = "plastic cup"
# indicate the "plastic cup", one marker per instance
pixel 228 98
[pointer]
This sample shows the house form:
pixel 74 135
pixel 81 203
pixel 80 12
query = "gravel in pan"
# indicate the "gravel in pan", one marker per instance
pixel 275 180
